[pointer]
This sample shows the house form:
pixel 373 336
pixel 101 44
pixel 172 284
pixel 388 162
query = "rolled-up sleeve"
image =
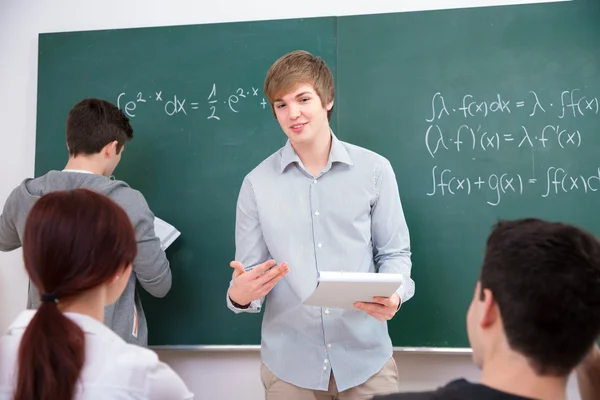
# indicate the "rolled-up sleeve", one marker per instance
pixel 391 240
pixel 250 246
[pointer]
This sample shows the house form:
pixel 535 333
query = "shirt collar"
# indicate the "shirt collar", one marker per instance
pixel 81 171
pixel 338 153
pixel 88 324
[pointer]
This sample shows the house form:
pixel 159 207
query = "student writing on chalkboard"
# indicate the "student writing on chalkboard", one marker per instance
pixel 534 315
pixel 588 375
pixel 318 204
pixel 78 249
pixel 96 133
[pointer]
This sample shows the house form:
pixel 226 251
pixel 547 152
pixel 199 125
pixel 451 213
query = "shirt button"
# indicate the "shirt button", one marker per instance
pixel 317 213
pixel 326 361
pixel 329 345
pixel 320 245
pixel 327 311
pixel 325 368
pixel 315 181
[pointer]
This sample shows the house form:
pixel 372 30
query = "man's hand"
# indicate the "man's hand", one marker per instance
pixel 382 308
pixel 256 283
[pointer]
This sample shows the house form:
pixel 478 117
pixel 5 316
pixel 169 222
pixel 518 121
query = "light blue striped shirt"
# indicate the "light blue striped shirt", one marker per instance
pixel 348 217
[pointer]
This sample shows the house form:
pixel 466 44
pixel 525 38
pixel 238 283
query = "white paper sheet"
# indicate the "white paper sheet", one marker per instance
pixel 165 232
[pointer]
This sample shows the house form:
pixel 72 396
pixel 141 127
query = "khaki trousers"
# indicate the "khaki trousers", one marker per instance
pixel 383 382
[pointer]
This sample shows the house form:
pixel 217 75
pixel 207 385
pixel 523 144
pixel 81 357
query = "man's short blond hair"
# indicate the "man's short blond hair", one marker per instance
pixel 296 68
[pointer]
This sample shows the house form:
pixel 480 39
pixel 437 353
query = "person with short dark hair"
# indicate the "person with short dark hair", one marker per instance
pixel 96 134
pixel 535 313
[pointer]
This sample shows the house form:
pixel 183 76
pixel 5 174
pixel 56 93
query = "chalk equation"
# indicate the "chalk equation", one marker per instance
pixel 569 103
pixel 172 104
pixel 556 181
pixel 477 137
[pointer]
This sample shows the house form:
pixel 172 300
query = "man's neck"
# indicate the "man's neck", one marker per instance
pixel 588 375
pixel 315 155
pixel 512 374
pixel 85 164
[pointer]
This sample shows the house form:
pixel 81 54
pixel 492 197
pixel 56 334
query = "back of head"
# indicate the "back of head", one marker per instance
pixel 74 241
pixel 94 123
pixel 296 68
pixel 545 278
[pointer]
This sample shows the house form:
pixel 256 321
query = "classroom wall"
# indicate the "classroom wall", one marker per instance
pixel 211 375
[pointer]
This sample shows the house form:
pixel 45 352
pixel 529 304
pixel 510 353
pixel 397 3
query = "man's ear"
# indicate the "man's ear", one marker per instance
pixel 110 149
pixel 490 312
pixel 329 105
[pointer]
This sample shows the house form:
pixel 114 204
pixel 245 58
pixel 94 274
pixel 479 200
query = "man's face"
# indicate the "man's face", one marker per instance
pixel 301 114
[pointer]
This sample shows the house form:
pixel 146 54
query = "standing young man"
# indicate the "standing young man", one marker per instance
pixel 96 134
pixel 318 204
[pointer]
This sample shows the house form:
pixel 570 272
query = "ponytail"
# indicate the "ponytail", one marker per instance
pixel 74 241
pixel 51 356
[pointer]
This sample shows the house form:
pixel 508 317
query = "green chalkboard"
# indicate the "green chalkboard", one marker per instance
pixel 484 113
pixel 187 158
pixel 450 98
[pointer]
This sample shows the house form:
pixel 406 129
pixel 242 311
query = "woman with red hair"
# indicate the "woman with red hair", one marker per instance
pixel 78 249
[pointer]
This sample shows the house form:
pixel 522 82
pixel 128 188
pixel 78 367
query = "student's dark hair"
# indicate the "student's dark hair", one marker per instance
pixel 74 241
pixel 94 123
pixel 545 278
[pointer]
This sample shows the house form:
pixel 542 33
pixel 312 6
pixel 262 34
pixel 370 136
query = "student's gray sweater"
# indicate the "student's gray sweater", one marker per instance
pixel 150 268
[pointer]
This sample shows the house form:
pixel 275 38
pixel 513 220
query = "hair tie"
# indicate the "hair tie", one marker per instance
pixel 49 298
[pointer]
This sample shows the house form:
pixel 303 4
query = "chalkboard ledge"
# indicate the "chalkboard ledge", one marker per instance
pixel 242 348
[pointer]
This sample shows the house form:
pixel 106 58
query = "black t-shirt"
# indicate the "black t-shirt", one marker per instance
pixel 459 389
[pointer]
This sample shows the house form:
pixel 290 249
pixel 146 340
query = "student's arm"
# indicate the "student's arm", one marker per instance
pixel 588 376
pixel 391 241
pixel 150 266
pixel 250 250
pixel 9 238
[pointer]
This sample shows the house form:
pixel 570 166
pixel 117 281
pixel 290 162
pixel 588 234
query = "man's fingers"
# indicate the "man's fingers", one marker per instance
pixel 377 311
pixel 392 302
pixel 275 273
pixel 270 279
pixel 368 307
pixel 261 268
pixel 384 301
pixel 238 267
pixel 266 288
